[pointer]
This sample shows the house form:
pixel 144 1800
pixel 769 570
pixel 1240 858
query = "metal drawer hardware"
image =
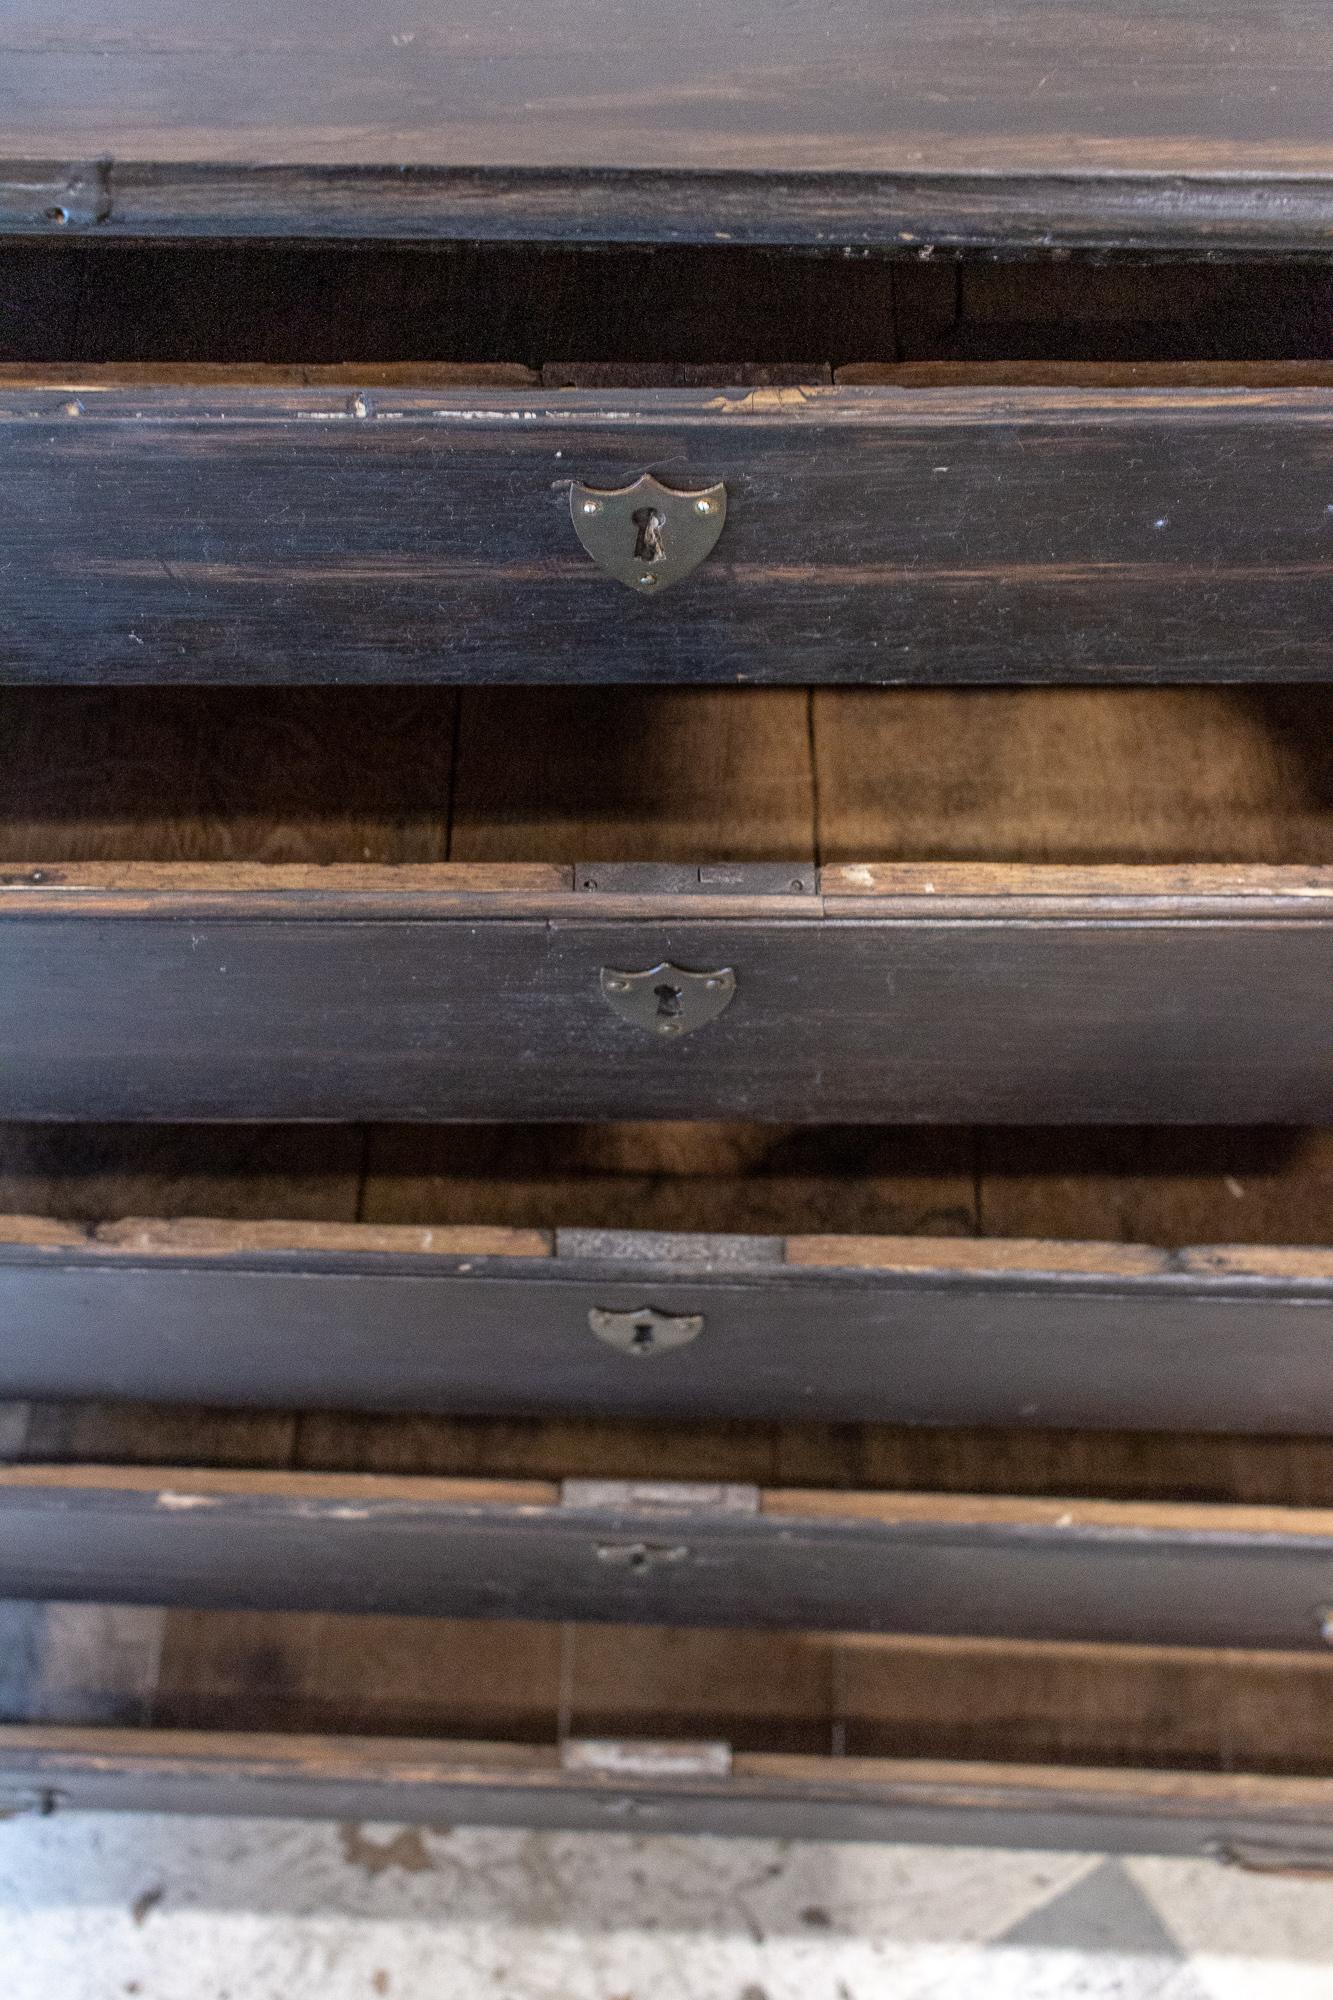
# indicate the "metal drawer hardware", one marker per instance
pixel 639 1558
pixel 647 535
pixel 667 1000
pixel 635 1757
pixel 658 1496
pixel 645 1331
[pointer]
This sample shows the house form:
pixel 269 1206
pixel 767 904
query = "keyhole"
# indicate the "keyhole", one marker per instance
pixel 643 1336
pixel 668 1002
pixel 648 548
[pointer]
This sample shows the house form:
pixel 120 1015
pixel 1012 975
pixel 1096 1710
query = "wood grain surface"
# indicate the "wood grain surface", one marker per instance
pixel 1068 1569
pixel 1028 123
pixel 852 1330
pixel 875 534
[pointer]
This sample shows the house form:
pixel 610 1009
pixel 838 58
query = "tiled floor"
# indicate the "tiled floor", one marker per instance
pixel 94 1908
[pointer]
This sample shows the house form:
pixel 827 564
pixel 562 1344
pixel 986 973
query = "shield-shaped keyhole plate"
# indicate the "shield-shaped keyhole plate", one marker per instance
pixel 667 1000
pixel 648 535
pixel 645 1331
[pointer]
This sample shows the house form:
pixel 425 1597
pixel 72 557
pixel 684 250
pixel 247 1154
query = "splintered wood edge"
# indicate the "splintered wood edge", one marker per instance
pixel 188 1489
pixel 887 889
pixel 978 1254
pixel 1086 375
pixel 264 877
pixel 75 377
pixel 192 1236
pixel 1133 880
pixel 1039 1255
pixel 993 1512
pixel 932 1256
pixel 43 1749
pixel 93 377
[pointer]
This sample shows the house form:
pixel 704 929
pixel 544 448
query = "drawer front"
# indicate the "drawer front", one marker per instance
pixel 662 1553
pixel 871 535
pixel 312 1006
pixel 683 1327
pixel 1267 1822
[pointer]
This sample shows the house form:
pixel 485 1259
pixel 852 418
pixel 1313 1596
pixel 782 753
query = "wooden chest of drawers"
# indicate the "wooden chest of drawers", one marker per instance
pixel 666 917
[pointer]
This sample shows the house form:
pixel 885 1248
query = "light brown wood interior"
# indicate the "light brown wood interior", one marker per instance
pixel 1076 777
pixel 538 779
pixel 814 1693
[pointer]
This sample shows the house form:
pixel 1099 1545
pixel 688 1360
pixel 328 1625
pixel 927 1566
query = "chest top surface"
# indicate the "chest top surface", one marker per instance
pixel 1022 107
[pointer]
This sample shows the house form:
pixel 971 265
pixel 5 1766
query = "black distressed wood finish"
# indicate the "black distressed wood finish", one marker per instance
pixel 873 534
pixel 1278 1822
pixel 998 1015
pixel 1188 1350
pixel 1199 1576
pixel 1027 123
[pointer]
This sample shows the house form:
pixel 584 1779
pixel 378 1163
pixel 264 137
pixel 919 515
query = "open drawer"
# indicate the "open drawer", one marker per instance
pixel 660 1550
pixel 1031 906
pixel 903 1329
pixel 802 1735
pixel 901 993
pixel 1219 1744
pixel 1085 1636
pixel 1001 481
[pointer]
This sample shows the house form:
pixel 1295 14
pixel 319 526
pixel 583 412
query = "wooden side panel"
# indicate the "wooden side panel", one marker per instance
pixel 934 1347
pixel 873 535
pixel 120 1018
pixel 188 776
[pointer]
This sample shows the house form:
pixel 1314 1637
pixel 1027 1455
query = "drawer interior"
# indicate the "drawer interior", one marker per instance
pixel 259 1684
pixel 543 306
pixel 1107 776
pixel 817 1694
pixel 1111 777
